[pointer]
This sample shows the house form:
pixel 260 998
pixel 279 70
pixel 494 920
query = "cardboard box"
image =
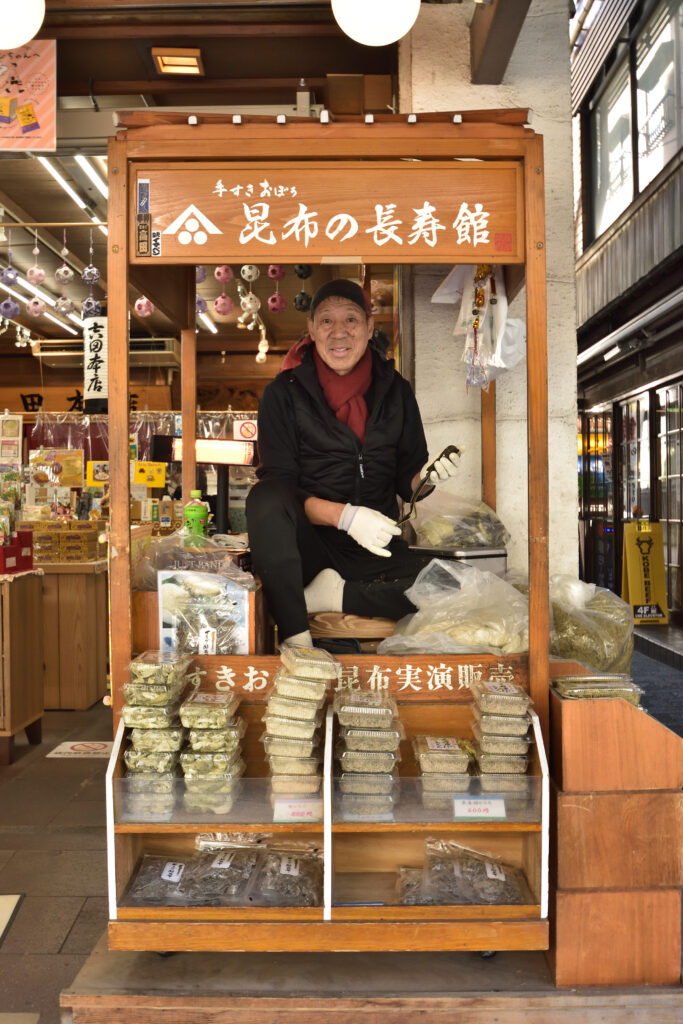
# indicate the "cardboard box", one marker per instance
pixel 9 555
pixel 24 541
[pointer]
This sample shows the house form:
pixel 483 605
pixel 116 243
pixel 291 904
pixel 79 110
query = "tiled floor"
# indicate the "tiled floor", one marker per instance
pixel 52 854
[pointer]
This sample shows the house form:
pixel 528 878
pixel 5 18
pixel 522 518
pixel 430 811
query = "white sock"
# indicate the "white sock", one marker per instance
pixel 325 592
pixel 300 639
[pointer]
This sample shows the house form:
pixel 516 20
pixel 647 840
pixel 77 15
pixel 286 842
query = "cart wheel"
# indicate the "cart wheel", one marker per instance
pixel 486 954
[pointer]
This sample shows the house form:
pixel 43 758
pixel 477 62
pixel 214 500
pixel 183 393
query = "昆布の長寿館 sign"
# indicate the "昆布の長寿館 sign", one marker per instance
pixel 394 212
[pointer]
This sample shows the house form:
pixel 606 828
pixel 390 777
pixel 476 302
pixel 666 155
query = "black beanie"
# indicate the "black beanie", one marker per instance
pixel 342 288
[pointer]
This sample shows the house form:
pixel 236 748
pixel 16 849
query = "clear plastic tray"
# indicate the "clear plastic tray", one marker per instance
pixel 141 717
pixel 148 761
pixel 287 685
pixel 153 694
pixel 490 743
pixel 502 725
pixel 309 662
pixel 287 746
pixel 295 785
pixel 590 688
pixel 500 698
pixel 366 807
pixel 292 707
pixel 218 782
pixel 375 782
pixel 146 783
pixel 208 710
pixel 501 764
pixel 291 728
pixel 209 803
pixel 159 668
pixel 157 739
pixel 195 763
pixel 372 739
pixel 365 761
pixel 445 782
pixel 217 740
pixel 365 709
pixel 441 753
pixel 294 765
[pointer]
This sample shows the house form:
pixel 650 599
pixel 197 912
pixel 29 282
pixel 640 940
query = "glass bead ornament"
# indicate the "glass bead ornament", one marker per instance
pixel 64 274
pixel 200 305
pixel 250 272
pixel 9 308
pixel 302 270
pixel 223 273
pixel 35 307
pixel 250 303
pixel 223 305
pixel 277 303
pixel 90 306
pixel 199 274
pixel 276 271
pixel 144 306
pixel 302 302
pixel 64 305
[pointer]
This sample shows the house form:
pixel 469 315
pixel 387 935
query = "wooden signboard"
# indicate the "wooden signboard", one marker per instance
pixel 643 578
pixel 69 398
pixel 346 212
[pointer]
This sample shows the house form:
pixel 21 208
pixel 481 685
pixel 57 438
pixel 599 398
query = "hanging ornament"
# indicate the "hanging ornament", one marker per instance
pixel 90 274
pixel 223 273
pixel 302 270
pixel 90 306
pixel 144 306
pixel 9 275
pixel 200 305
pixel 9 308
pixel 64 305
pixel 64 274
pixel 223 305
pixel 250 272
pixel 35 274
pixel 35 307
pixel 199 274
pixel 302 302
pixel 250 303
pixel 276 271
pixel 277 303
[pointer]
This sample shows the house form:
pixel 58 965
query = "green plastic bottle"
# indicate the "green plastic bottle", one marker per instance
pixel 196 514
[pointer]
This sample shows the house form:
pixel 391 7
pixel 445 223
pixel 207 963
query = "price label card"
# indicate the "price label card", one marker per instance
pixel 483 809
pixel 287 808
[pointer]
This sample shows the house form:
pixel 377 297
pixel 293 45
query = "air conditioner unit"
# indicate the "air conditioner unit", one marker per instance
pixel 66 353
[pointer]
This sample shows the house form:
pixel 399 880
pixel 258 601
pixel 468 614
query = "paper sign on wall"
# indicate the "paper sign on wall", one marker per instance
pixel 152 474
pixel 643 577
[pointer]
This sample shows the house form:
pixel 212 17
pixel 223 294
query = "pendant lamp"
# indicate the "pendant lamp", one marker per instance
pixel 20 23
pixel 375 22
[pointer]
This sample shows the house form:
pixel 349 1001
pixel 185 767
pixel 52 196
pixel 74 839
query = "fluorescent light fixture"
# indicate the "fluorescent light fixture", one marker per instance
pixel 171 60
pixel 60 323
pixel 51 169
pixel 224 452
pixel 375 22
pixel 11 291
pixel 90 171
pixel 76 319
pixel 611 353
pixel 208 322
pixel 100 226
pixel 36 291
pixel 49 316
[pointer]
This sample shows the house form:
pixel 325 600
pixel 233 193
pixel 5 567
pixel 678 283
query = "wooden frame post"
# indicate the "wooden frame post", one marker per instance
pixel 188 405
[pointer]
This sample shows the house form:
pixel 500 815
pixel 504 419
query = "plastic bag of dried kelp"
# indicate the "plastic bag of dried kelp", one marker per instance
pixel 458 874
pixel 289 875
pixel 455 523
pixel 590 625
pixel 411 889
pixel 224 869
pixel 156 881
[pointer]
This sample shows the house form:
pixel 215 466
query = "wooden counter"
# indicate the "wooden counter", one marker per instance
pixel 21 659
pixel 75 634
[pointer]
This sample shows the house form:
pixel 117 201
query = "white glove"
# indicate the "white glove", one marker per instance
pixel 369 528
pixel 443 468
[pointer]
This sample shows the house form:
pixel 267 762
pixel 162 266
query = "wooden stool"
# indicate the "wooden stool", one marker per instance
pixel 339 626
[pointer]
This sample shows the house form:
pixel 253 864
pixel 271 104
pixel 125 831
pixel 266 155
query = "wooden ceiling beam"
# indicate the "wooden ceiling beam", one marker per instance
pixel 162 30
pixel 494 32
pixel 161 86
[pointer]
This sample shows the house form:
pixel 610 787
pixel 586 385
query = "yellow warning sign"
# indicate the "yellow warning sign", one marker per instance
pixel 643 579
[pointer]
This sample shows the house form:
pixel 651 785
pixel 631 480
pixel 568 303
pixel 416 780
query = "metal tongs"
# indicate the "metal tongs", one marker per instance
pixel 451 449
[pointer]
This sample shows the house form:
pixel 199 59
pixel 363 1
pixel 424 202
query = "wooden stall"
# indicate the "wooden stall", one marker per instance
pixel 177 197
pixel 21 659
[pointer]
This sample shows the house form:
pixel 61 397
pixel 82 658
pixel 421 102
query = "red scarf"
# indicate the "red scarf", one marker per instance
pixel 344 394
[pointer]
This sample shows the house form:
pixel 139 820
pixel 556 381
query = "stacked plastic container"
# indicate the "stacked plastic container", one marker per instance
pixel 157 681
pixel 211 762
pixel 367 753
pixel 444 763
pixel 293 720
pixel 500 726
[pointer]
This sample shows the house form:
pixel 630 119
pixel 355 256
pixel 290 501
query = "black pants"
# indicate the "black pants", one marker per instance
pixel 288 551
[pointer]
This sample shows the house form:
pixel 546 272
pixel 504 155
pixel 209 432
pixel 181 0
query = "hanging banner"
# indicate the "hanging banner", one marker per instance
pixel 28 96
pixel 335 211
pixel 95 358
pixel 643 577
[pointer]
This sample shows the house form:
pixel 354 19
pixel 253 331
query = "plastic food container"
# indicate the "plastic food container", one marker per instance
pixel 309 662
pixel 441 754
pixel 445 782
pixel 355 806
pixel 292 707
pixel 365 709
pixel 150 760
pixel 141 717
pixel 287 685
pixel 490 743
pixel 519 785
pixel 153 694
pixel 372 739
pixel 217 740
pixel 500 698
pixel 375 782
pixel 294 765
pixel 145 783
pixel 296 785
pixel 291 728
pixel 366 761
pixel 153 806
pixel 596 687
pixel 501 764
pixel 215 782
pixel 207 763
pixel 159 668
pixel 502 725
pixel 209 803
pixel 157 739
pixel 286 746
pixel 208 710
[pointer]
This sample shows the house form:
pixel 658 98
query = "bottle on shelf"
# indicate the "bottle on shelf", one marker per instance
pixel 196 514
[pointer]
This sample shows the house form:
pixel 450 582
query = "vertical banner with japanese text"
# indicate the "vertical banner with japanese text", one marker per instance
pixel 95 358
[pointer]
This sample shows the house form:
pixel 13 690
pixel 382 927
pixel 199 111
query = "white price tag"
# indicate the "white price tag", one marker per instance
pixel 303 809
pixel 223 860
pixel 290 866
pixel 484 808
pixel 207 640
pixel 173 871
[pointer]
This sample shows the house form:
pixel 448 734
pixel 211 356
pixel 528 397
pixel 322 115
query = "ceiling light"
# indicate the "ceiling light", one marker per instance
pixel 208 322
pixel 100 225
pixel 36 291
pixel 76 319
pixel 88 169
pixel 174 61
pixel 60 323
pixel 375 22
pixel 80 203
pixel 20 22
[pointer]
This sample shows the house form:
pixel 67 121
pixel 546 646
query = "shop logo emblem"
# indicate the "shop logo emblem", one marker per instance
pixel 192 226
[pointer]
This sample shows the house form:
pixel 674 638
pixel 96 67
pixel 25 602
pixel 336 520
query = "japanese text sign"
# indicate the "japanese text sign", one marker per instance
pixel 28 96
